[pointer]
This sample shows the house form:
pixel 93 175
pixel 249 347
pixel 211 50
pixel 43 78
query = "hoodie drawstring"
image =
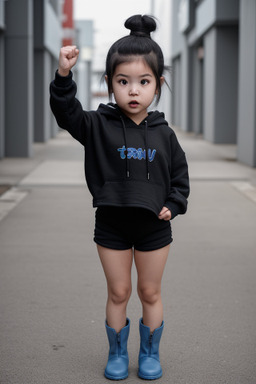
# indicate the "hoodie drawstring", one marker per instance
pixel 125 143
pixel 146 149
pixel 146 145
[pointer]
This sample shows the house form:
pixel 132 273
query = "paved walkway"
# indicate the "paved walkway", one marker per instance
pixel 52 288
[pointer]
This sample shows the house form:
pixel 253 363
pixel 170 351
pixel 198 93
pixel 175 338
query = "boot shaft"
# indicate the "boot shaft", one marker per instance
pixel 118 341
pixel 149 342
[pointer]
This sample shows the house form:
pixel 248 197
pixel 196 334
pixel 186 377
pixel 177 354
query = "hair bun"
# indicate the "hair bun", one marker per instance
pixel 140 25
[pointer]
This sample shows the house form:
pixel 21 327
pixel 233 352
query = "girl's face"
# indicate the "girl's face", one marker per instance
pixel 134 88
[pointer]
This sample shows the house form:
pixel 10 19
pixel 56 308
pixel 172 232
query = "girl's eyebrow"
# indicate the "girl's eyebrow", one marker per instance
pixel 123 75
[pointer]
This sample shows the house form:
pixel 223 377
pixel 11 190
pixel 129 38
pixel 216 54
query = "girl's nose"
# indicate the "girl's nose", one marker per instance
pixel 133 91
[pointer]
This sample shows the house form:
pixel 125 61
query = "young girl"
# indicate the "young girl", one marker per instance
pixel 137 174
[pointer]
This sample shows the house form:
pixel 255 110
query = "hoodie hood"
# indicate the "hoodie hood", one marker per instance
pixel 112 111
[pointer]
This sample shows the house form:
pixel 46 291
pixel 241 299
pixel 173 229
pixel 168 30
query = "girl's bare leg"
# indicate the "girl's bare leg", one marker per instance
pixel 150 267
pixel 117 268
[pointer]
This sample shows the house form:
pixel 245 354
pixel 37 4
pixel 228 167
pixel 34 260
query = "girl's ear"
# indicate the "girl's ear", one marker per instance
pixel 162 79
pixel 106 79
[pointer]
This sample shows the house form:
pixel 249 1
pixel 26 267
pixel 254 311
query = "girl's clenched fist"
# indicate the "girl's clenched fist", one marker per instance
pixel 67 59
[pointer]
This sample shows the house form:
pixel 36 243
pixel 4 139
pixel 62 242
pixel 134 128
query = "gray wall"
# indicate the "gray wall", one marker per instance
pixel 52 28
pixel 19 78
pixel 208 86
pixel 177 37
pixel 220 84
pixel 2 102
pixel 226 85
pixel 176 90
pixel 2 22
pixel 247 84
pixel 179 72
pixel 47 43
pixel 84 31
pixel 197 84
pixel 30 39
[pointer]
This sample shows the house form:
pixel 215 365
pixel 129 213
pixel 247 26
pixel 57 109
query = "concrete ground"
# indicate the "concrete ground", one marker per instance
pixel 53 291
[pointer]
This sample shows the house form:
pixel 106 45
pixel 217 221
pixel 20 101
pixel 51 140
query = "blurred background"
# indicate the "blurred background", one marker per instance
pixel 52 287
pixel 210 45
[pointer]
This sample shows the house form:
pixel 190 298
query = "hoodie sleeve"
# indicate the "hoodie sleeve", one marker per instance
pixel 179 182
pixel 67 109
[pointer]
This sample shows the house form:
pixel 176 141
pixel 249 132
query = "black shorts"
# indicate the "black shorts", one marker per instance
pixel 125 228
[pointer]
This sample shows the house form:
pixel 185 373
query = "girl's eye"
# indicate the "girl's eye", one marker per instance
pixel 144 81
pixel 123 82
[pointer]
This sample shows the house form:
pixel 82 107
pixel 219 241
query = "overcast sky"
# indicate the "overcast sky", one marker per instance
pixel 109 17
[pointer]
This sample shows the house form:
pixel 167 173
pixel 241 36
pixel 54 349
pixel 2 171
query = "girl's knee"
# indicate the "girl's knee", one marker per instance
pixel 120 294
pixel 149 294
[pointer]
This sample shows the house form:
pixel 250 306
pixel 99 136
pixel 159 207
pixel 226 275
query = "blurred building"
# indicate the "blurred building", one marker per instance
pixel 31 35
pixel 161 9
pixel 68 36
pixel 84 33
pixel 214 71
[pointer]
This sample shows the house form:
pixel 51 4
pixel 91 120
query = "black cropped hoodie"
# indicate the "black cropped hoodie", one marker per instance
pixel 126 164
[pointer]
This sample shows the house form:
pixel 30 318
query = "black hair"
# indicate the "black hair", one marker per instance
pixel 138 43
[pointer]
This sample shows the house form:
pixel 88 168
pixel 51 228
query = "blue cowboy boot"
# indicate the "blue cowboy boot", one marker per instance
pixel 149 362
pixel 118 360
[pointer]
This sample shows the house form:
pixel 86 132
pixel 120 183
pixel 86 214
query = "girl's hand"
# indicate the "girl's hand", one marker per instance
pixel 165 214
pixel 67 59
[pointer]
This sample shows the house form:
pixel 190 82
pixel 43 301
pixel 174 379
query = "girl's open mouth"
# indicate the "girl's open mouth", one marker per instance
pixel 133 104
